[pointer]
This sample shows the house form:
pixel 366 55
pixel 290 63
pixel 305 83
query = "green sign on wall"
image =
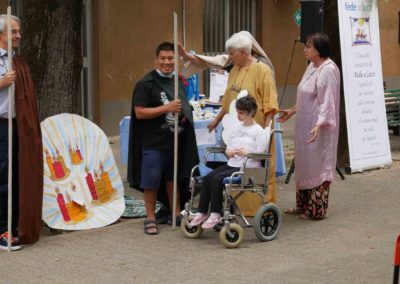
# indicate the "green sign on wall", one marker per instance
pixel 297 17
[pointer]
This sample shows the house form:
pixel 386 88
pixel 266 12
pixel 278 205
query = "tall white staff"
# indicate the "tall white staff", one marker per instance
pixel 10 129
pixel 176 121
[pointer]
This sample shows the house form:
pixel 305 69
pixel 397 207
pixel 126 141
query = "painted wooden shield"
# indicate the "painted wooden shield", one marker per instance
pixel 82 185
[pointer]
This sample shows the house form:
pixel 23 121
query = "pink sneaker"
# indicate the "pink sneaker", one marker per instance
pixel 198 219
pixel 213 220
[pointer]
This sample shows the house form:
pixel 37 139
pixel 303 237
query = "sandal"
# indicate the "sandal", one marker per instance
pixel 294 211
pixel 150 227
pixel 303 217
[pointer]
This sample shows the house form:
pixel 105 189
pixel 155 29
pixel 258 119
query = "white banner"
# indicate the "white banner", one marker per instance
pixel 367 129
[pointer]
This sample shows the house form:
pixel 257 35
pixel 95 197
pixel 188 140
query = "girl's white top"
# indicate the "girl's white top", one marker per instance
pixel 252 138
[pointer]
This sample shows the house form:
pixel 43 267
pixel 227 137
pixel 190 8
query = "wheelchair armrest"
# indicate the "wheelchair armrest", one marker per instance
pixel 258 156
pixel 235 174
pixel 276 131
pixel 216 149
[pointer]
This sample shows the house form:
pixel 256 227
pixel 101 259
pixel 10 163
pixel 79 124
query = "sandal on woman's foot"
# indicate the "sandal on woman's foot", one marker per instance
pixel 304 217
pixel 150 227
pixel 294 211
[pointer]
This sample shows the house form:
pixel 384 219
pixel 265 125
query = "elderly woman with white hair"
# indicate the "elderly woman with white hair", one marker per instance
pixel 255 76
pixel 195 63
pixel 252 75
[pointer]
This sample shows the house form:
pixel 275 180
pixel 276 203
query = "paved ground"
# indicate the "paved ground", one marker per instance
pixel 355 244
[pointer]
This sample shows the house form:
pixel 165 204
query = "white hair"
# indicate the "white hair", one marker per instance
pixel 3 20
pixel 239 42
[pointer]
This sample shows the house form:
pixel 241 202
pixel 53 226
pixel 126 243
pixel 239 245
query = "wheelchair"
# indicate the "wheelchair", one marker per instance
pixel 267 219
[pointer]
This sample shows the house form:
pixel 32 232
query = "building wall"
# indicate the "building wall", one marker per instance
pixel 128 34
pixel 279 33
pixel 3 6
pixel 390 41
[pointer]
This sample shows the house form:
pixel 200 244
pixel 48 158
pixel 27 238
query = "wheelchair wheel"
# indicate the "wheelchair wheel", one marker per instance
pixel 193 232
pixel 238 234
pixel 267 222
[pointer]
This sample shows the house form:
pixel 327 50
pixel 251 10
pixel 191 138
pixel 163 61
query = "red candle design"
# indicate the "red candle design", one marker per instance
pixel 63 208
pixel 92 188
pixel 58 170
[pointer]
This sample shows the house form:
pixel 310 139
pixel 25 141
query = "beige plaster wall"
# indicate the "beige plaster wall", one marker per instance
pixel 128 32
pixel 389 34
pixel 3 6
pixel 279 32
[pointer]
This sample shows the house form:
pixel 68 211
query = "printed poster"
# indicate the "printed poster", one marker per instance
pixel 367 129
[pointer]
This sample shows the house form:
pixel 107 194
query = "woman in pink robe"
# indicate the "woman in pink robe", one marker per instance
pixel 316 129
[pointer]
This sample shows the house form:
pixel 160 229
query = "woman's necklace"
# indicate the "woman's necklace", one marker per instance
pixel 236 88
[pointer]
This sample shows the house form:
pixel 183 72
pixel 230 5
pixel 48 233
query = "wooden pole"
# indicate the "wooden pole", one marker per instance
pixel 176 122
pixel 10 128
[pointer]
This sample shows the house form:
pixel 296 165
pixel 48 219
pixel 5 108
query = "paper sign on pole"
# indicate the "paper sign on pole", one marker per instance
pixel 367 129
pixel 218 82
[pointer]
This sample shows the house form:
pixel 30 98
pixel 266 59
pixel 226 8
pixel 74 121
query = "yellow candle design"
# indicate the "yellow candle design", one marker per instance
pixel 50 164
pixel 101 188
pixel 107 181
pixel 77 212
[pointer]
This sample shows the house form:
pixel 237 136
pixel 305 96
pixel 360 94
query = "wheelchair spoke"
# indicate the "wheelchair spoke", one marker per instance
pixel 268 223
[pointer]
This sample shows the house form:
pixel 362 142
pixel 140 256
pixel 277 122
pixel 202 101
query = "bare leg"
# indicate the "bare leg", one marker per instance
pixel 170 193
pixel 150 198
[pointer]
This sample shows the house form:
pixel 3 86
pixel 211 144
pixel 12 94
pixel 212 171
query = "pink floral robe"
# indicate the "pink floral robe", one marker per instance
pixel 318 97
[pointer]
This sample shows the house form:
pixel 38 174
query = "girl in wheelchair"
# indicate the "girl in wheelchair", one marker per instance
pixel 245 137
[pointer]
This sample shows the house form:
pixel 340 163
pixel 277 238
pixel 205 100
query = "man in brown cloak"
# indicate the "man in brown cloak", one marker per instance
pixel 27 160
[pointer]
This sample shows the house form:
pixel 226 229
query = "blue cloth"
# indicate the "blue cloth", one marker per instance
pixel 280 169
pixel 192 88
pixel 204 170
pixel 235 180
pixel 124 139
pixel 202 149
pixel 155 163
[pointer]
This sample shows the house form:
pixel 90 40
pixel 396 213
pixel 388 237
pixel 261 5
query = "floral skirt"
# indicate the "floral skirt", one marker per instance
pixel 314 201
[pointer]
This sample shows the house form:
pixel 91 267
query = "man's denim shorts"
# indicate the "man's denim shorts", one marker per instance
pixel 155 165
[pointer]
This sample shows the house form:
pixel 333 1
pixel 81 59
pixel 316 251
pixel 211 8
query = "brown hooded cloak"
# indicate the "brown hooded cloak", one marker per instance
pixel 30 155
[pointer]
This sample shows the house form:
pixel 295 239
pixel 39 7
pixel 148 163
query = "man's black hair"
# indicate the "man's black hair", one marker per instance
pixel 165 46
